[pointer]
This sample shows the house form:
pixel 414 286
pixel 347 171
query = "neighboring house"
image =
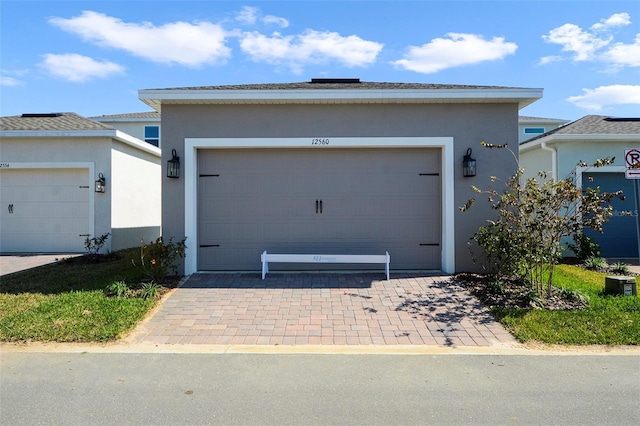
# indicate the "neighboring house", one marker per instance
pixel 49 165
pixel 531 127
pixel 141 125
pixel 590 138
pixel 331 166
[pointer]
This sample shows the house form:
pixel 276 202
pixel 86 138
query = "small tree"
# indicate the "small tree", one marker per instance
pixel 533 218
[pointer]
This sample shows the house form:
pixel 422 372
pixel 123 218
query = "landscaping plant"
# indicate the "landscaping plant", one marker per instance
pixel 94 245
pixel 533 216
pixel 158 259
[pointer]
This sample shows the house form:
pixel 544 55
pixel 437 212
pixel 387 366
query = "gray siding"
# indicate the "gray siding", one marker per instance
pixel 468 124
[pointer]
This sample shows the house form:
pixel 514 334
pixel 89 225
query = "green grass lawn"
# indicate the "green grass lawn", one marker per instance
pixel 65 302
pixel 609 320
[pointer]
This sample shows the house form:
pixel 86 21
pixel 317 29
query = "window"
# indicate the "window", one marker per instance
pixel 536 130
pixel 152 135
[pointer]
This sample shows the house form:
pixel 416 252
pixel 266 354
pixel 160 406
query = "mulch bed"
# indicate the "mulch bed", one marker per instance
pixel 512 293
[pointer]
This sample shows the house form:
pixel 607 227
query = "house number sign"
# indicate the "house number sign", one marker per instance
pixel 4 165
pixel 320 141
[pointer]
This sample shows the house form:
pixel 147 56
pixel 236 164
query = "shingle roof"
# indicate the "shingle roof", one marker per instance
pixel 66 121
pixel 141 115
pixel 595 125
pixel 336 86
pixel 526 118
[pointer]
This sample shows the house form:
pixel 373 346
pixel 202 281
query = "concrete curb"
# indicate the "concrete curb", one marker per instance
pixel 148 348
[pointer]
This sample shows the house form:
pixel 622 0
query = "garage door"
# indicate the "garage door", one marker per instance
pixel 44 210
pixel 619 238
pixel 333 201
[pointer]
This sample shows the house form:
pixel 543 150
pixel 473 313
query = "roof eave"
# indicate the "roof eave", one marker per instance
pixel 156 97
pixel 596 137
pixel 113 134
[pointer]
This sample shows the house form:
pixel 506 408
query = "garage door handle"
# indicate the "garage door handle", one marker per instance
pixel 320 206
pixel 317 203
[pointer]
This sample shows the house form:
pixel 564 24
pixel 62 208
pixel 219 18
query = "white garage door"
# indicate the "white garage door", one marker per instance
pixel 44 210
pixel 334 201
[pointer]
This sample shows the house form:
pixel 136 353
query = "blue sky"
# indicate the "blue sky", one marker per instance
pixel 92 57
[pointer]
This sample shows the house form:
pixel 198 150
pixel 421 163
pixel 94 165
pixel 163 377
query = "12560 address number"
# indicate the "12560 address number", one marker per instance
pixel 320 141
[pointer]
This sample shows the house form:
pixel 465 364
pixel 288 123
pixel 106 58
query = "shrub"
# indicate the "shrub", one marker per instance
pixel 584 247
pixel 620 268
pixel 93 245
pixel 158 260
pixel 533 218
pixel 118 289
pixel 149 291
pixel 596 264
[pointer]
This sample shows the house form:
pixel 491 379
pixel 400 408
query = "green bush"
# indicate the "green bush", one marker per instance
pixel 158 259
pixel 118 289
pixel 584 247
pixel 149 291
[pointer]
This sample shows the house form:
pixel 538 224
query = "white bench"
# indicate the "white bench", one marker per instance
pixel 323 258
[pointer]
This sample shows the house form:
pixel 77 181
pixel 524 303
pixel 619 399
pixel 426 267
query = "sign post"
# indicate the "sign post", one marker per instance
pixel 632 161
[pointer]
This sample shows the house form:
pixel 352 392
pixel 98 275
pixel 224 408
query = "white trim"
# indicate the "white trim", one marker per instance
pixel 126 120
pixel 555 138
pixel 523 96
pixel 446 144
pixel 12 165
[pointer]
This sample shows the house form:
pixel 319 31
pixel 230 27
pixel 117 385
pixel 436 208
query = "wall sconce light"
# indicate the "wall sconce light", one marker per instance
pixel 468 165
pixel 173 165
pixel 101 183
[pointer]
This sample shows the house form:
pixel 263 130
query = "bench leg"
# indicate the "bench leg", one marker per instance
pixel 265 264
pixel 386 269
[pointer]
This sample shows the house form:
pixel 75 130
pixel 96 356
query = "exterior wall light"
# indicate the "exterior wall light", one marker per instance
pixel 469 165
pixel 173 165
pixel 101 183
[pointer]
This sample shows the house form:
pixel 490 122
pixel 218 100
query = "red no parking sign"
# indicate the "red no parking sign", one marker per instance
pixel 632 160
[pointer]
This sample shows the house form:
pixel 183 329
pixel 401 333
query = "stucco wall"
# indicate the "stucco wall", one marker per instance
pixel 535 161
pixel 69 150
pixel 467 124
pixel 136 196
pixel 569 153
pixel 135 129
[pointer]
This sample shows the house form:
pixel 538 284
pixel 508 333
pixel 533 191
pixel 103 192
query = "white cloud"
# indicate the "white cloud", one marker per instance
pixel 189 44
pixel 548 59
pixel 247 15
pixel 622 54
pixel 276 20
pixel 615 20
pixel 595 44
pixel 601 97
pixel 574 39
pixel 10 81
pixel 250 15
pixel 456 50
pixel 310 47
pixel 79 68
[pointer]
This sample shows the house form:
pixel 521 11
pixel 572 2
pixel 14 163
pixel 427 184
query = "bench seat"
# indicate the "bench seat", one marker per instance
pixel 267 258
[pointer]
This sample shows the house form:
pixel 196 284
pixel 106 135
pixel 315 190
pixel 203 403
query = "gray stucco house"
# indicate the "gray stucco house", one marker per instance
pixel 49 167
pixel 331 166
pixel 587 139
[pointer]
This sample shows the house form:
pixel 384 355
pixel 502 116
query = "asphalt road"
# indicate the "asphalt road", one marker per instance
pixel 310 389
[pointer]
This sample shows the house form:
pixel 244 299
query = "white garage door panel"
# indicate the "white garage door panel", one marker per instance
pixel 50 210
pixel 372 201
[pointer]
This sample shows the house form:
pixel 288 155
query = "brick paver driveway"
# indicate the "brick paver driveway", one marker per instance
pixel 322 309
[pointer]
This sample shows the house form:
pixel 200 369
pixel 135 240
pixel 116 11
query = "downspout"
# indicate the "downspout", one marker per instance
pixel 554 160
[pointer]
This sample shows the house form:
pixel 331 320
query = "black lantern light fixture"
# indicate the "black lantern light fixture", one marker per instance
pixel 101 183
pixel 173 165
pixel 468 165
